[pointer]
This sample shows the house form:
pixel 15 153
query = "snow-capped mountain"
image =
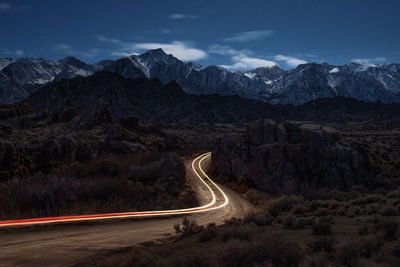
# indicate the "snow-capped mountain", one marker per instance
pixel 194 78
pixel 19 78
pixel 371 83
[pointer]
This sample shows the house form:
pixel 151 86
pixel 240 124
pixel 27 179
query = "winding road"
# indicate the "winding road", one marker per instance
pixel 63 241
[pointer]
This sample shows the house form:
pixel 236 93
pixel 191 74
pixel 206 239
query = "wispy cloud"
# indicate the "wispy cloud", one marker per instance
pixel 250 36
pixel 227 50
pixel 17 53
pixel 5 7
pixel 241 59
pixel 69 50
pixel 102 38
pixel 179 49
pixel 369 61
pixel 290 61
pixel 244 62
pixel 182 50
pixel 183 16
pixel 166 31
pixel 62 46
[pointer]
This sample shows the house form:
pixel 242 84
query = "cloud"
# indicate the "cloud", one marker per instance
pixel 369 61
pixel 179 49
pixel 166 31
pixel 242 59
pixel 5 7
pixel 290 61
pixel 244 62
pixel 123 54
pixel 102 38
pixel 90 53
pixel 183 16
pixel 250 36
pixel 62 46
pixel 69 50
pixel 17 52
pixel 227 50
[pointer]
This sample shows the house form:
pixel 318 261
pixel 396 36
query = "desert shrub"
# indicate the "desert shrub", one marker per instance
pixel 322 212
pixel 373 209
pixel 209 233
pixel 367 200
pixel 333 204
pixel 363 230
pixel 348 253
pixel 143 260
pixel 260 218
pixel 235 253
pixel 318 260
pixel 370 246
pixel 278 250
pixel 396 250
pixel 301 223
pixel 195 261
pixel 287 221
pixel 394 194
pixel 341 211
pixel 271 248
pixel 390 229
pixel 323 243
pixel 299 209
pixel 389 212
pixel 322 227
pixel 242 233
pixel 377 220
pixel 187 228
pixel 282 204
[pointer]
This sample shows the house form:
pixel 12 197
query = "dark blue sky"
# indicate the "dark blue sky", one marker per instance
pixel 236 34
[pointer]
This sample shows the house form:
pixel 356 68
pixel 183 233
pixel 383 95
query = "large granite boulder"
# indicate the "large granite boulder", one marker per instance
pixel 63 149
pixel 97 113
pixel 289 157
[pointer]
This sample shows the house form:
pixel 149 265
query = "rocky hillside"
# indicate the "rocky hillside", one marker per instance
pixel 82 160
pixel 151 100
pixel 289 157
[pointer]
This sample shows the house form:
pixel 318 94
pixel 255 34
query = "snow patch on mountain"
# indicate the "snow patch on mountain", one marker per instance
pixel 334 70
pixel 250 75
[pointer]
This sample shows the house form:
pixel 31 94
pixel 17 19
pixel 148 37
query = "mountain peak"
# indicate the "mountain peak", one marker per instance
pixel 155 52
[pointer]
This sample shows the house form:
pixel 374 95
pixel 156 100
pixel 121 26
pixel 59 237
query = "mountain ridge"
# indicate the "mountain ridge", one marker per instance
pixel 366 82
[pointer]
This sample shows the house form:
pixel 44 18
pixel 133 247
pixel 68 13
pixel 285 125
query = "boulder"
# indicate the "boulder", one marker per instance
pixel 97 113
pixel 290 157
pixel 38 119
pixel 5 129
pixel 63 149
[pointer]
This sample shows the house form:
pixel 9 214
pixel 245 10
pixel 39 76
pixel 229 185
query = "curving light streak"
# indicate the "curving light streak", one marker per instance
pixel 207 207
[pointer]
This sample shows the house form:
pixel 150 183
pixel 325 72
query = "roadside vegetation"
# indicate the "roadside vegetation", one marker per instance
pixel 107 184
pixel 355 228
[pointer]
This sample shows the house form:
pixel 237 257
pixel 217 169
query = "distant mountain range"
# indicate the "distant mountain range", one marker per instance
pixel 19 78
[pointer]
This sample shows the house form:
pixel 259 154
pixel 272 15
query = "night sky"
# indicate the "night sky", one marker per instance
pixel 235 34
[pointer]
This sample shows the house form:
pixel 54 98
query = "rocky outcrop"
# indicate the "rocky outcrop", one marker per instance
pixel 65 111
pixel 14 110
pixel 63 149
pixel 289 157
pixel 5 129
pixel 172 172
pixel 12 162
pixel 97 113
pixel 39 119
